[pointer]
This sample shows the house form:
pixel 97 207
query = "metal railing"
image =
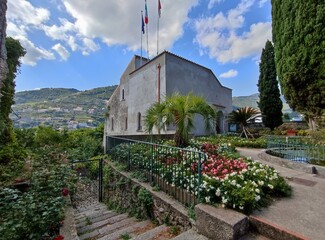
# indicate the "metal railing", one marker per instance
pixel 176 171
pixel 297 149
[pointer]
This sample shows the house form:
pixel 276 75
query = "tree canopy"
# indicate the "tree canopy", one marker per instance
pixel 270 103
pixel 298 36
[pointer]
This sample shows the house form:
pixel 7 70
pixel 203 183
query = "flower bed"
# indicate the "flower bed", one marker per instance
pixel 226 179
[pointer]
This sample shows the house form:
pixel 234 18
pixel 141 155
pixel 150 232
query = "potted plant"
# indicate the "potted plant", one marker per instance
pixel 291 132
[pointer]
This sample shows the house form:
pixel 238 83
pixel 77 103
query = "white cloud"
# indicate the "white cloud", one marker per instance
pixel 218 37
pixel 112 22
pixel 33 53
pixel 62 51
pixel 213 2
pixel 261 3
pixel 231 73
pixel 119 22
pixel 59 32
pixel 24 12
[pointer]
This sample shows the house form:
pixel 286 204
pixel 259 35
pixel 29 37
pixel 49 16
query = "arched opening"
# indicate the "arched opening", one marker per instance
pixel 123 94
pixel 220 123
pixel 139 122
pixel 112 124
pixel 126 123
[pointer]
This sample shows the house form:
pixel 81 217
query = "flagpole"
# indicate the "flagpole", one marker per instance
pixel 158 35
pixel 159 13
pixel 147 22
pixel 141 36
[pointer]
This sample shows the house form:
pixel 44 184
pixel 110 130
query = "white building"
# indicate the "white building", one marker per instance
pixel 146 82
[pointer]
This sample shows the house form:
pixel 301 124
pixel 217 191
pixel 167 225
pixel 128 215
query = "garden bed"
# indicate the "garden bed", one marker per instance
pixel 219 177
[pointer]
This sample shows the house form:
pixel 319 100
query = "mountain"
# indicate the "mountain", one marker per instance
pixel 251 101
pixel 71 108
pixel 61 107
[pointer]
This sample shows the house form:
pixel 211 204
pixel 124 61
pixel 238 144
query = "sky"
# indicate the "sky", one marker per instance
pixel 85 44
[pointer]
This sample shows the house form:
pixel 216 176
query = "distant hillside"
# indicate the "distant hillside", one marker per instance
pixel 251 101
pixel 71 108
pixel 61 107
pixel 44 94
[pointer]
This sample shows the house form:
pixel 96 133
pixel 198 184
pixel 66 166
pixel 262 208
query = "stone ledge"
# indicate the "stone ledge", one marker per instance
pixel 69 229
pixel 301 167
pixel 273 231
pixel 219 223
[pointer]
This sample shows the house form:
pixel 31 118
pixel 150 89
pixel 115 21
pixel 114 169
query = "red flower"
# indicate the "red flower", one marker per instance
pixel 59 237
pixel 65 192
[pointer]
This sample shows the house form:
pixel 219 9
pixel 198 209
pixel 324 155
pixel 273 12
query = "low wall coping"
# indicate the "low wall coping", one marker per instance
pixel 219 223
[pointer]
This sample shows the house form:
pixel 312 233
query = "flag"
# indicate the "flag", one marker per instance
pixel 146 19
pixel 159 8
pixel 142 26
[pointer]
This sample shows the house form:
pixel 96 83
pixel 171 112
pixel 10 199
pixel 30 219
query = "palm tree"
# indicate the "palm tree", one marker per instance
pixel 180 110
pixel 243 116
pixel 155 117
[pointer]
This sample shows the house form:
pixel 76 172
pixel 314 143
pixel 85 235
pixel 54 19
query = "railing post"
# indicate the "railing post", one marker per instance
pixel 100 185
pixel 129 159
pixel 199 177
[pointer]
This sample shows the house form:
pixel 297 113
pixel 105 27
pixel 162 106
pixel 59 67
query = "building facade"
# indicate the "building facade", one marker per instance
pixel 146 82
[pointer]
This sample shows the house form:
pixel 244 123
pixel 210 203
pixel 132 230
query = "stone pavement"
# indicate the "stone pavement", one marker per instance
pixel 304 212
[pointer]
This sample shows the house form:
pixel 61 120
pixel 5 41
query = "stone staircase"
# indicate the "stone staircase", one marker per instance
pixel 94 221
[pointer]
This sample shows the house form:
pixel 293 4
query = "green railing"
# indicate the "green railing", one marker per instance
pixel 298 149
pixel 176 171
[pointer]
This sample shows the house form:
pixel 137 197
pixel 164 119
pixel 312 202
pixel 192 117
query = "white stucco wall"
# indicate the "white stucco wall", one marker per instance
pixel 185 77
pixel 140 91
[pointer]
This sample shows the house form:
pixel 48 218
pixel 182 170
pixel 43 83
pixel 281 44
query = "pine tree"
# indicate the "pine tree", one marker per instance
pixel 270 103
pixel 298 36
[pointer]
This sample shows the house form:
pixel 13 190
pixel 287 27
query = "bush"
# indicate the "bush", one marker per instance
pixel 37 213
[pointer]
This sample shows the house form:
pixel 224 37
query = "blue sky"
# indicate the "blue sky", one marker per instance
pixel 87 44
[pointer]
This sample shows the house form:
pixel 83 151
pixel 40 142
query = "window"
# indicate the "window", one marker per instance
pixel 126 123
pixel 123 94
pixel 112 124
pixel 139 122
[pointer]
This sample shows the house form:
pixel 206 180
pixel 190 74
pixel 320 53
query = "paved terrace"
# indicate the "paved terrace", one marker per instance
pixel 304 212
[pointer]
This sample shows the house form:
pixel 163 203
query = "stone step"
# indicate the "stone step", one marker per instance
pixel 107 229
pixel 108 221
pixel 96 208
pixel 151 234
pixel 190 234
pixel 97 217
pixel 127 231
pixel 88 207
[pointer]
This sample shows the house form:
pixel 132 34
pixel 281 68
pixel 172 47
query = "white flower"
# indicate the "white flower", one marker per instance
pixel 207 199
pixel 218 192
pixel 234 206
pixel 238 185
pixel 257 190
pixel 224 200
pixel 257 198
pixel 233 182
pixel 241 207
pixel 261 183
pixel 270 186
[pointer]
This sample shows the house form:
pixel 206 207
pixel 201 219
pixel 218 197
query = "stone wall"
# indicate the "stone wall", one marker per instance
pixel 140 200
pixel 3 53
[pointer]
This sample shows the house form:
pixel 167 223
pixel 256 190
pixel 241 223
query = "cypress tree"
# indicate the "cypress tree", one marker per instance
pixel 298 36
pixel 270 103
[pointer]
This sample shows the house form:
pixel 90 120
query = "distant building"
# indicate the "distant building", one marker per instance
pixel 142 85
